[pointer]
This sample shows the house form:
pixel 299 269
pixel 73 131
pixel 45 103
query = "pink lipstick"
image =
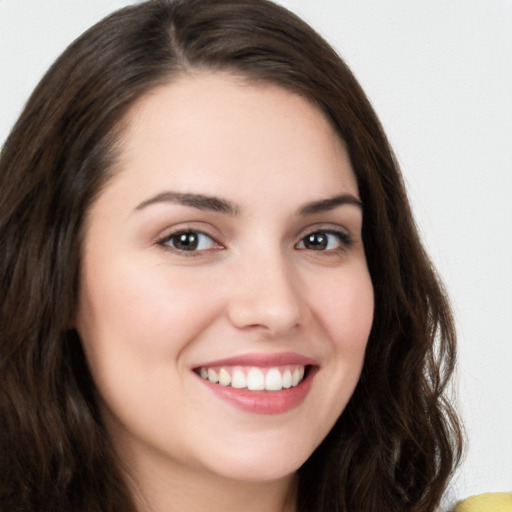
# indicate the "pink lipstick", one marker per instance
pixel 260 383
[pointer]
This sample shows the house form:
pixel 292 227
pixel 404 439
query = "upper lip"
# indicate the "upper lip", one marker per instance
pixel 262 360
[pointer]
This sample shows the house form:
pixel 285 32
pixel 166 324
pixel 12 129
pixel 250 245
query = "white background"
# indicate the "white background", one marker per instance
pixel 439 74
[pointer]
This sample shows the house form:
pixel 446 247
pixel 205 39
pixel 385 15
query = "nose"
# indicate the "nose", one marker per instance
pixel 266 294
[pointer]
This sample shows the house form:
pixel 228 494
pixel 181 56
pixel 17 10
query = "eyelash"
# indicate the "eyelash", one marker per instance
pixel 344 242
pixel 164 242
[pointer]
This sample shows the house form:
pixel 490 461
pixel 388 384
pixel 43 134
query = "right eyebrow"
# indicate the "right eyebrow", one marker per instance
pixel 199 201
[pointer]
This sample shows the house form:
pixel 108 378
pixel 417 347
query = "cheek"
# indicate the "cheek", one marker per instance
pixel 135 321
pixel 149 309
pixel 345 307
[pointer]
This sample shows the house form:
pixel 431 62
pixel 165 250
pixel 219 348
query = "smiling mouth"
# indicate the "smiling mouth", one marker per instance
pixel 255 378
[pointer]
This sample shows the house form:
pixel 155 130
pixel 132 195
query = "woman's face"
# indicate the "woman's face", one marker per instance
pixel 227 246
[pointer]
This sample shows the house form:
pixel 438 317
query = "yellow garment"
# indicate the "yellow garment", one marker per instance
pixel 488 502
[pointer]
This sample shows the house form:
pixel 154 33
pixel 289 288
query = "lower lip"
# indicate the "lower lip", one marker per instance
pixel 264 402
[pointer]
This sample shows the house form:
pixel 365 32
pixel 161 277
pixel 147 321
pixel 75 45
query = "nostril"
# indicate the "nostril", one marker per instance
pixel 269 310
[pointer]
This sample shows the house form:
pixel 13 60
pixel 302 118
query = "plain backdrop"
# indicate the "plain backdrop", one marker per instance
pixel 439 74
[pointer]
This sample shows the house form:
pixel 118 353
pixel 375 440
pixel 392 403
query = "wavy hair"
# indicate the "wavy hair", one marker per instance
pixel 398 440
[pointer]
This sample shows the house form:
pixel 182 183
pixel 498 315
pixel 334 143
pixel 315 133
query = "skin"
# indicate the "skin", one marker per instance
pixel 150 313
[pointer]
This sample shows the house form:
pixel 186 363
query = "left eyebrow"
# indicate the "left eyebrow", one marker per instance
pixel 325 205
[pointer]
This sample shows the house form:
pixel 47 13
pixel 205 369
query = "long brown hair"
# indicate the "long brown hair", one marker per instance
pixel 397 442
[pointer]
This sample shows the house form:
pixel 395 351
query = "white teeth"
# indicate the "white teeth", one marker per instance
pixel 255 380
pixel 212 375
pixel 273 380
pixel 239 381
pixel 287 379
pixel 224 377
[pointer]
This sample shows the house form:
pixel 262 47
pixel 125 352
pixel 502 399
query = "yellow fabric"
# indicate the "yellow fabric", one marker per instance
pixel 488 502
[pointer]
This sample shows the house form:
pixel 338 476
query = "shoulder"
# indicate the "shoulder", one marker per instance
pixel 488 502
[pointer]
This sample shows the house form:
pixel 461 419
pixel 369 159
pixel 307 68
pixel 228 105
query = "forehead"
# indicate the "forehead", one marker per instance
pixel 212 130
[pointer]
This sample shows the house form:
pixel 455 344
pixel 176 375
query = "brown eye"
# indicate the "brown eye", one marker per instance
pixel 189 241
pixel 316 241
pixel 324 241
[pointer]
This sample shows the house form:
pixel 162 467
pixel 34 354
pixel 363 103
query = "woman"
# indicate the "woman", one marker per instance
pixel 196 313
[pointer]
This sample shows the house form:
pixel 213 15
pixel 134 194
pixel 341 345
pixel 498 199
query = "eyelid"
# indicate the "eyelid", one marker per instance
pixel 343 234
pixel 169 234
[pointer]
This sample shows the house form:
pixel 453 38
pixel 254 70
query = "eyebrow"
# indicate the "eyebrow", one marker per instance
pixel 325 205
pixel 200 201
pixel 219 205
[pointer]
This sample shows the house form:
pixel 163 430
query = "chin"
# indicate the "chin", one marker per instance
pixel 263 461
